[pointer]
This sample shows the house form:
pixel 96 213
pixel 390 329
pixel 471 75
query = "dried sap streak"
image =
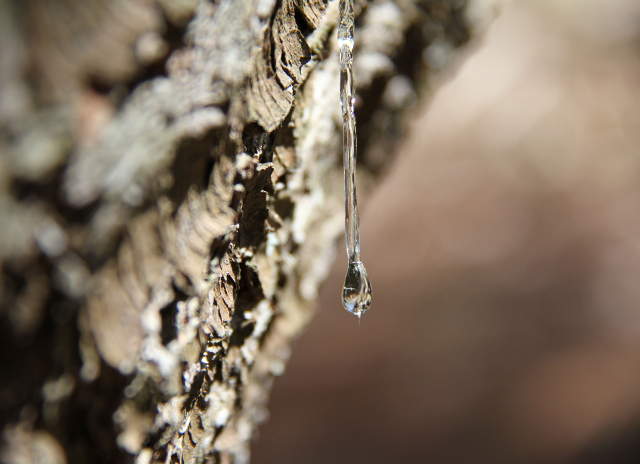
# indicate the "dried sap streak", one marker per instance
pixel 356 294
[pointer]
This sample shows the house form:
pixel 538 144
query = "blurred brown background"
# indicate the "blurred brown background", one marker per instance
pixel 504 253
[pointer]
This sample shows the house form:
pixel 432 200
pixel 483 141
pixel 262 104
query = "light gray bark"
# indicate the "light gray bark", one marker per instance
pixel 164 235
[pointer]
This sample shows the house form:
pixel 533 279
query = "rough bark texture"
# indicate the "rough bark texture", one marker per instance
pixel 170 196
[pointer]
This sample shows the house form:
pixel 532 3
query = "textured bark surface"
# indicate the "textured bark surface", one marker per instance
pixel 170 196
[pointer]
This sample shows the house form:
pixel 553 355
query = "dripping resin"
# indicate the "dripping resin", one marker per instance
pixel 356 293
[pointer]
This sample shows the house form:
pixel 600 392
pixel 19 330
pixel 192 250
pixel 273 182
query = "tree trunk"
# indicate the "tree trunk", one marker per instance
pixel 170 198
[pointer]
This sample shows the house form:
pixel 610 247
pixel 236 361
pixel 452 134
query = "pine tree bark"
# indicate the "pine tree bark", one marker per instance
pixel 171 193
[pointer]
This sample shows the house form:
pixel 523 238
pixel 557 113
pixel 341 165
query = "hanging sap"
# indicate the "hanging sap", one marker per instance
pixel 356 294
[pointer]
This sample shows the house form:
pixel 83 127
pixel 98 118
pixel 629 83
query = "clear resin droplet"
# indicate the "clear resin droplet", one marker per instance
pixel 356 294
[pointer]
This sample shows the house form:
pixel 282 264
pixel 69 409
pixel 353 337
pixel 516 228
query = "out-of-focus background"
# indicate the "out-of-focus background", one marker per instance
pixel 504 253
